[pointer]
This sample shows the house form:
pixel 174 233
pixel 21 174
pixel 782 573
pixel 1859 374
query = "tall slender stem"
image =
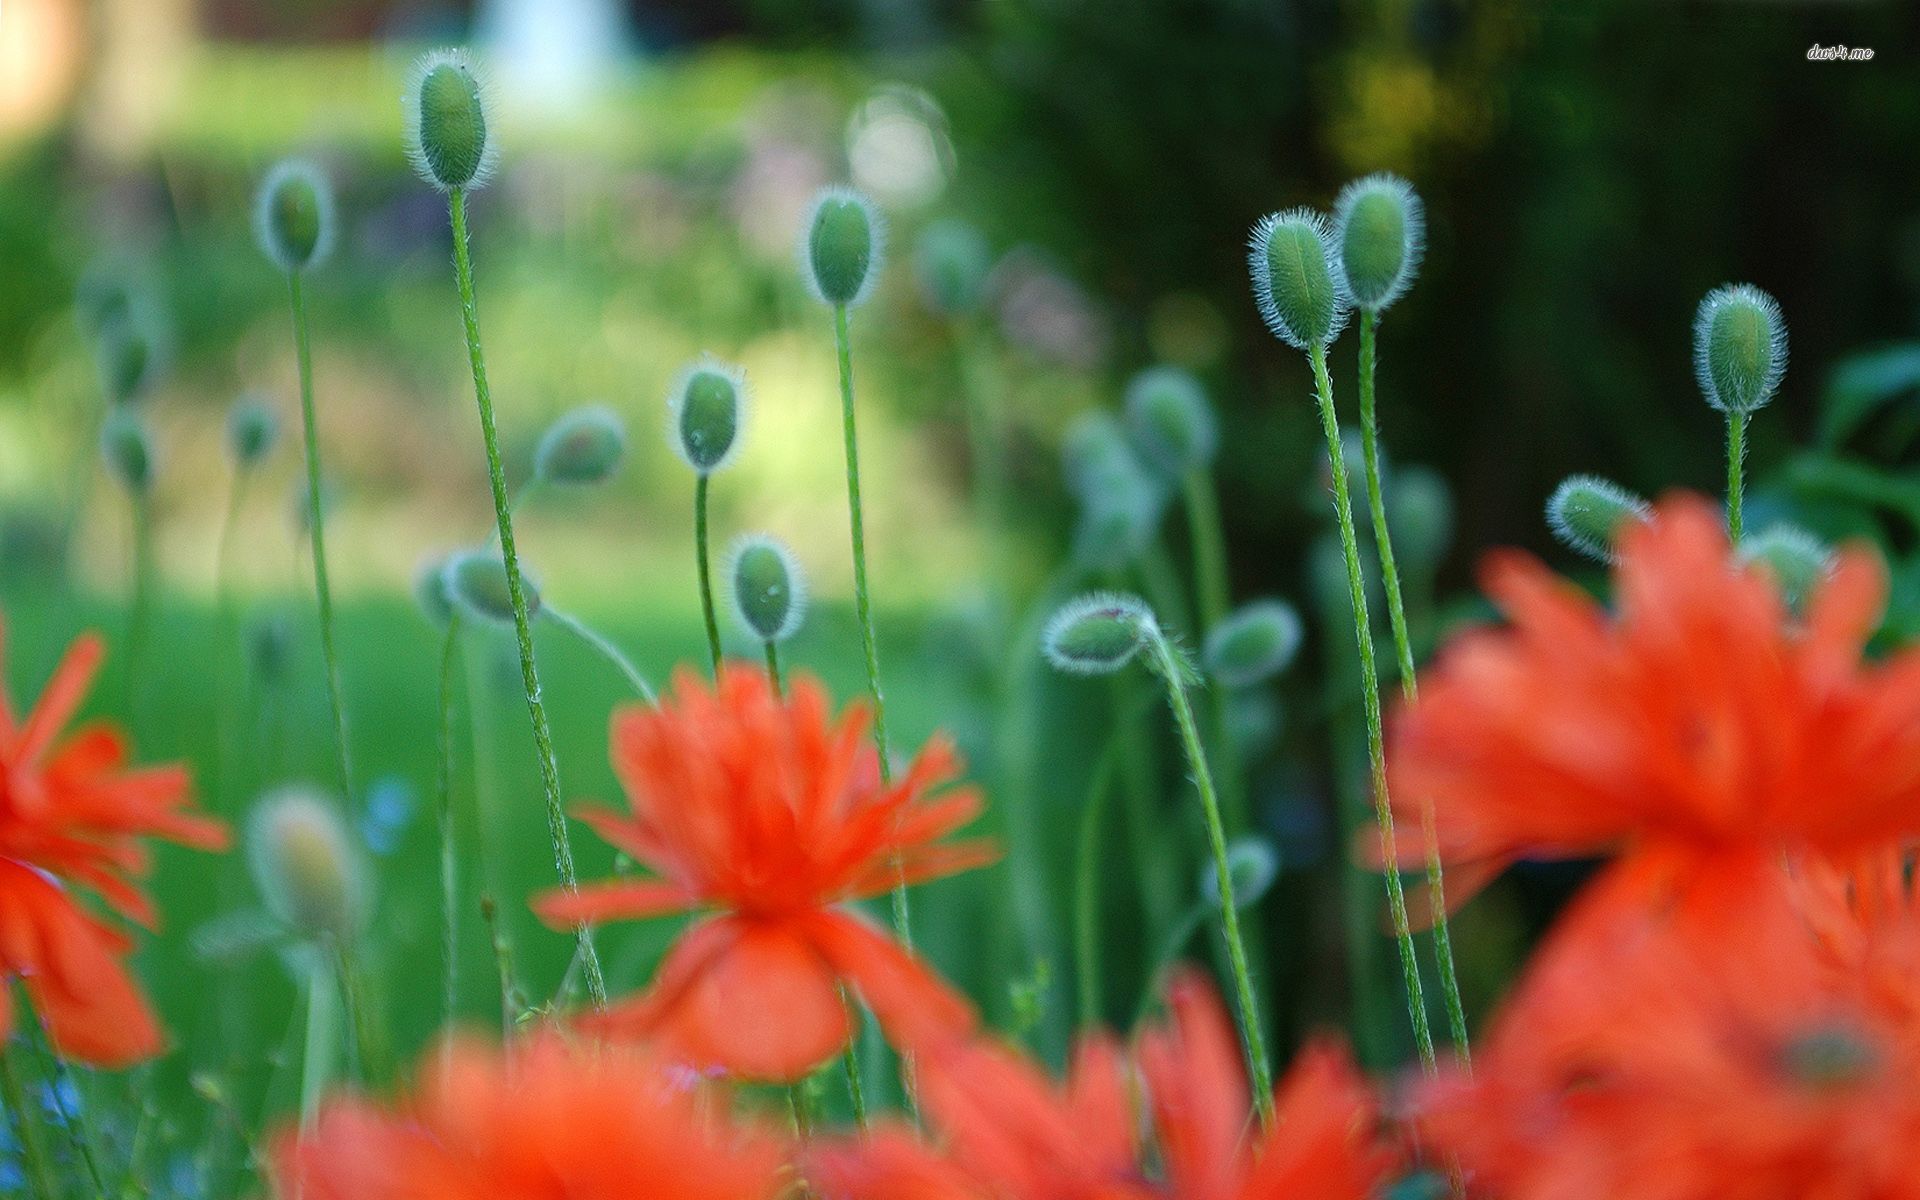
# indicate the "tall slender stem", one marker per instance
pixel 1209 549
pixel 706 575
pixel 605 649
pixel 850 1061
pixel 449 858
pixel 1736 470
pixel 318 1048
pixel 1170 673
pixel 773 669
pixel 1086 883
pixel 79 1126
pixel 1370 692
pixel 522 627
pixel 32 1149
pixel 317 536
pixel 1409 687
pixel 140 611
pixel 223 636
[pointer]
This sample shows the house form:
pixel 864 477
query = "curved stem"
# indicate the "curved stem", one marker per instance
pixel 140 610
pixel 706 574
pixel 522 627
pixel 1170 673
pixel 1086 883
pixel 1736 469
pixel 773 669
pixel 32 1150
pixel 605 649
pixel 449 859
pixel 317 536
pixel 1409 687
pixel 1370 692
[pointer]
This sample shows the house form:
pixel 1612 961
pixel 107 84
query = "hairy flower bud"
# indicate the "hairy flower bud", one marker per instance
pixel 477 582
pixel 1380 229
pixel 705 411
pixel 129 353
pixel 1290 255
pixel 1251 864
pixel 1420 514
pixel 432 593
pixel 1797 560
pixel 1098 634
pixel 583 447
pixel 842 250
pixel 449 141
pixel 1739 348
pixel 127 448
pixel 1254 643
pixel 951 262
pixel 1170 422
pixel 252 430
pixel 305 864
pixel 767 587
pixel 1587 514
pixel 293 216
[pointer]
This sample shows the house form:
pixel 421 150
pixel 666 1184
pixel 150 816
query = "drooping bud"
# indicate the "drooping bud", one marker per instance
pixel 129 354
pixel 1098 634
pixel 1380 229
pixel 1798 561
pixel 305 865
pixel 293 216
pixel 127 448
pixel 477 582
pixel 1291 255
pixel 1253 644
pixel 252 430
pixel 1252 865
pixel 449 141
pixel 705 411
pixel 1739 348
pixel 768 589
pixel 842 249
pixel 951 262
pixel 432 592
pixel 583 447
pixel 1587 513
pixel 1170 422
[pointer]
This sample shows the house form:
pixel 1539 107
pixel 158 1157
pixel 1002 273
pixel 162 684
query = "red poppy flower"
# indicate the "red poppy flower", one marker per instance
pixel 548 1120
pixel 772 812
pixel 72 816
pixel 1700 726
pixel 1674 1055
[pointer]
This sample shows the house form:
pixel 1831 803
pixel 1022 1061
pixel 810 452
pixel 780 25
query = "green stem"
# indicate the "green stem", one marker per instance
pixel 32 1149
pixel 502 966
pixel 605 649
pixel 1409 687
pixel 1736 468
pixel 706 575
pixel 1370 692
pixel 850 1062
pixel 140 611
pixel 1209 549
pixel 773 670
pixel 1086 883
pixel 449 859
pixel 1262 1074
pixel 369 1041
pixel 78 1123
pixel 319 1041
pixel 316 533
pixel 522 627
pixel 223 638
pixel 802 1109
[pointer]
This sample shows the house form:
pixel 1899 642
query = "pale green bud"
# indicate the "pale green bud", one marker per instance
pixel 293 216
pixel 1739 348
pixel 843 247
pixel 1380 229
pixel 767 587
pixel 1098 634
pixel 1253 644
pixel 583 447
pixel 1587 513
pixel 449 140
pixel 305 864
pixel 1291 255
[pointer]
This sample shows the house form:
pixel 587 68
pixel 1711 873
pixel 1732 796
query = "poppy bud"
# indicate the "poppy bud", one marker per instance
pixel 1830 1056
pixel 1587 514
pixel 1253 644
pixel 128 450
pixel 1380 229
pixel 1114 529
pixel 445 105
pixel 305 865
pixel 129 354
pixel 432 593
pixel 1420 512
pixel 477 582
pixel 1099 462
pixel 1252 865
pixel 951 262
pixel 1170 422
pixel 1291 255
pixel 768 589
pixel 293 217
pixel 1797 560
pixel 1739 348
pixel 705 411
pixel 270 648
pixel 1098 634
pixel 842 252
pixel 252 430
pixel 582 447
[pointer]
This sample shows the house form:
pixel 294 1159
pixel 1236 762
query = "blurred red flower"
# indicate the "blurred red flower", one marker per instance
pixel 1699 727
pixel 546 1119
pixel 72 816
pixel 773 812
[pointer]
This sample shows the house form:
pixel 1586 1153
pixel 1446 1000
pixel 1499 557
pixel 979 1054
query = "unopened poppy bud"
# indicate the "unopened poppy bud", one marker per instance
pixel 1291 255
pixel 582 447
pixel 1115 528
pixel 293 217
pixel 1380 229
pixel 304 504
pixel 705 412
pixel 1797 560
pixel 129 356
pixel 768 589
pixel 951 263
pixel 1253 644
pixel 252 430
pixel 841 255
pixel 477 582
pixel 127 449
pixel 1587 513
pixel 1252 865
pixel 449 142
pixel 1420 513
pixel 1170 422
pixel 1098 460
pixel 305 864
pixel 1098 634
pixel 431 592
pixel 1829 1056
pixel 1739 348
pixel 270 648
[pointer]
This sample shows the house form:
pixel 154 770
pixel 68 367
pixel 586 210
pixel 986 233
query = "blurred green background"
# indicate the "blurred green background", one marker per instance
pixel 1590 171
